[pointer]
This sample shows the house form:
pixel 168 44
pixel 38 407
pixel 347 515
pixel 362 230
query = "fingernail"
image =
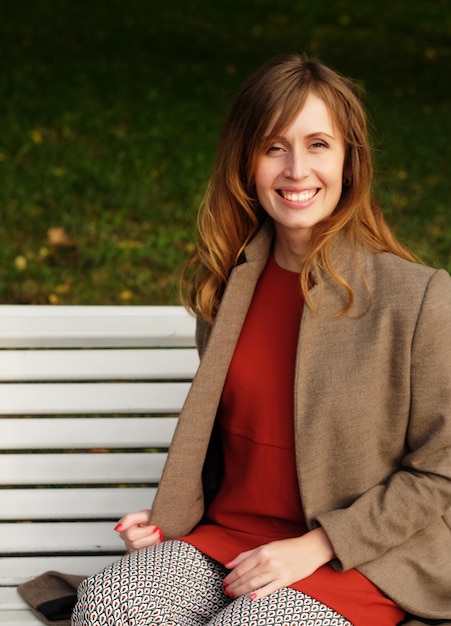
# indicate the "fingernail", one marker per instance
pixel 224 583
pixel 160 532
pixel 118 527
pixel 252 595
pixel 228 593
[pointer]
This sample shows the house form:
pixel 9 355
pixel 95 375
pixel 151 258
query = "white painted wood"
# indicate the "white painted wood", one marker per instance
pixel 18 618
pixel 18 569
pixel 90 398
pixel 75 365
pixel 11 600
pixel 103 432
pixel 46 537
pixel 73 469
pixel 95 326
pixel 74 503
pixel 15 609
pixel 54 384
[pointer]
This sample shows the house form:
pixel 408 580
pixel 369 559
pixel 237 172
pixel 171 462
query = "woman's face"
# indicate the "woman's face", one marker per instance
pixel 299 175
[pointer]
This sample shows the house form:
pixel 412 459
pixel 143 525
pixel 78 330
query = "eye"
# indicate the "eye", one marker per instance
pixel 274 149
pixel 319 144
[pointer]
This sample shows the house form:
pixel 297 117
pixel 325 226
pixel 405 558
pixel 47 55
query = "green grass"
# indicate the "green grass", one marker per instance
pixel 111 110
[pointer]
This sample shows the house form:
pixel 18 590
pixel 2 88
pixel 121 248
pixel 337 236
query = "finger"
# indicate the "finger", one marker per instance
pixel 143 541
pixel 139 518
pixel 251 581
pixel 239 559
pixel 245 561
pixel 266 590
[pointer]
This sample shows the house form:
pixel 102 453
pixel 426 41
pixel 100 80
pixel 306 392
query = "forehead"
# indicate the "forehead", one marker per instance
pixel 314 115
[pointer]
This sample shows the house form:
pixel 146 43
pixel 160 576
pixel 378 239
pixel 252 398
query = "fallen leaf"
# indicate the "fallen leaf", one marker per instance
pixel 20 262
pixel 126 295
pixel 36 137
pixel 59 238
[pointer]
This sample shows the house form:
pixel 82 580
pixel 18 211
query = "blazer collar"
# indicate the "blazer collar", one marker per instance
pixel 343 257
pixel 350 261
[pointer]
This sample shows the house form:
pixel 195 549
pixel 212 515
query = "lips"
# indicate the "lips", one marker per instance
pixel 297 196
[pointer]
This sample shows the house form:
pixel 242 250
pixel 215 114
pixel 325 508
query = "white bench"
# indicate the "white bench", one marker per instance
pixel 89 398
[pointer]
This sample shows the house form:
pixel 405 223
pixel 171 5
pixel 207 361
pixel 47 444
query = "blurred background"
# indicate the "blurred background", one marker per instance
pixel 110 112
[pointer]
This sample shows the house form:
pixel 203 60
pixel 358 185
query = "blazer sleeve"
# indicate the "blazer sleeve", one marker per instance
pixel 419 492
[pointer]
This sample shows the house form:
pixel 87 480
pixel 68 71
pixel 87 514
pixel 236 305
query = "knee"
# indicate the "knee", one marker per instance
pixel 90 595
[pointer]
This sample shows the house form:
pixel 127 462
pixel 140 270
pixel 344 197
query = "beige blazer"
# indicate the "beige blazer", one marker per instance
pixel 372 421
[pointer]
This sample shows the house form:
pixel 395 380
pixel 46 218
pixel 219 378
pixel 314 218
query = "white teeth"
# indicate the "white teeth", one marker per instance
pixel 302 196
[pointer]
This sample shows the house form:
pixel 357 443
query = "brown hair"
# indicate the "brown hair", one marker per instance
pixel 230 214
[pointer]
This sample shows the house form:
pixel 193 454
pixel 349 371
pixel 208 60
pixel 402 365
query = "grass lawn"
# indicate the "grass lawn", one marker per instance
pixel 111 110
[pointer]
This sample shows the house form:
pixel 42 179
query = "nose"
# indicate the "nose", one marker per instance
pixel 296 166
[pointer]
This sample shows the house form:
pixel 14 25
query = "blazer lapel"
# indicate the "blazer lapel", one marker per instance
pixel 181 483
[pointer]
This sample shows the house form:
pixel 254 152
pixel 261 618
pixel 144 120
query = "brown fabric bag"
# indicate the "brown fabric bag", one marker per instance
pixel 52 596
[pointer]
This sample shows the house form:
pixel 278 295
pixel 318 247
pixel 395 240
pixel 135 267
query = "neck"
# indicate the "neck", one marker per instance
pixel 290 254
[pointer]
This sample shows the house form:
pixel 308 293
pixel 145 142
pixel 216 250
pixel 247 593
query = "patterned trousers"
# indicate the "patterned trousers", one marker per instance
pixel 174 584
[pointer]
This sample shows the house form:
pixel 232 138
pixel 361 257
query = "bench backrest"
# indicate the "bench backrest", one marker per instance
pixel 89 398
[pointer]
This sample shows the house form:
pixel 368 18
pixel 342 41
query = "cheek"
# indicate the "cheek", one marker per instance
pixel 263 179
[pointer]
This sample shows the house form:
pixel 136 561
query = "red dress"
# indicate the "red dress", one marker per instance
pixel 259 500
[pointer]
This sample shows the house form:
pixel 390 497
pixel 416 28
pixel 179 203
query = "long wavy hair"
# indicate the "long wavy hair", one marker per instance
pixel 230 214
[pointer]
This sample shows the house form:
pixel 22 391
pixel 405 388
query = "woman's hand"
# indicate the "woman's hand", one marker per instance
pixel 278 564
pixel 137 532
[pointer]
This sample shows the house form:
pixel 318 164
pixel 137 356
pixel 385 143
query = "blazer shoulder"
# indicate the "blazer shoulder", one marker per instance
pixel 406 277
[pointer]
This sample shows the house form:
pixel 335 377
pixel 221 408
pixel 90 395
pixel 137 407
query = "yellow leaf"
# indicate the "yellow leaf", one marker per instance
pixel 36 137
pixel 43 252
pixel 2 157
pixel 53 299
pixel 20 262
pixel 126 295
pixel 64 287
pixel 129 245
pixel 59 172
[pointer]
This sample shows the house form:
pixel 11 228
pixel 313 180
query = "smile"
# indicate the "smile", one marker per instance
pixel 297 196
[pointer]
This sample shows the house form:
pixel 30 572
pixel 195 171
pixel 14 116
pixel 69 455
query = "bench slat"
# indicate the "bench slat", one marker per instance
pixel 10 600
pixel 85 398
pixel 45 433
pixel 18 569
pixel 70 469
pixel 68 537
pixel 66 503
pixel 19 618
pixel 75 365
pixel 14 608
pixel 95 326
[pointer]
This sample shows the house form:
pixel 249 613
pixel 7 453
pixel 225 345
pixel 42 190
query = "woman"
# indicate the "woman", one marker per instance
pixel 309 479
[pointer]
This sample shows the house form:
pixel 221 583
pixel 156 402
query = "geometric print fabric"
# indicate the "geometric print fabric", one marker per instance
pixel 174 584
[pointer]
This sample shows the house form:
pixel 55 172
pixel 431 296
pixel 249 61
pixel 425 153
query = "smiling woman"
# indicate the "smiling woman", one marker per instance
pixel 299 179
pixel 310 471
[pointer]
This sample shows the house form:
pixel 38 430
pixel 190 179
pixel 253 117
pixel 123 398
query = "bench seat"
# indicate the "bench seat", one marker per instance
pixel 89 399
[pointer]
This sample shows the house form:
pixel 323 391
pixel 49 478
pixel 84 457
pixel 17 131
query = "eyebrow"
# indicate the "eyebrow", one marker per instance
pixel 320 132
pixel 309 136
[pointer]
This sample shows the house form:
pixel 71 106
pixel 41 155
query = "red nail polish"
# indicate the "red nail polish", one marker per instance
pixel 225 583
pixel 252 595
pixel 118 527
pixel 160 532
pixel 230 594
